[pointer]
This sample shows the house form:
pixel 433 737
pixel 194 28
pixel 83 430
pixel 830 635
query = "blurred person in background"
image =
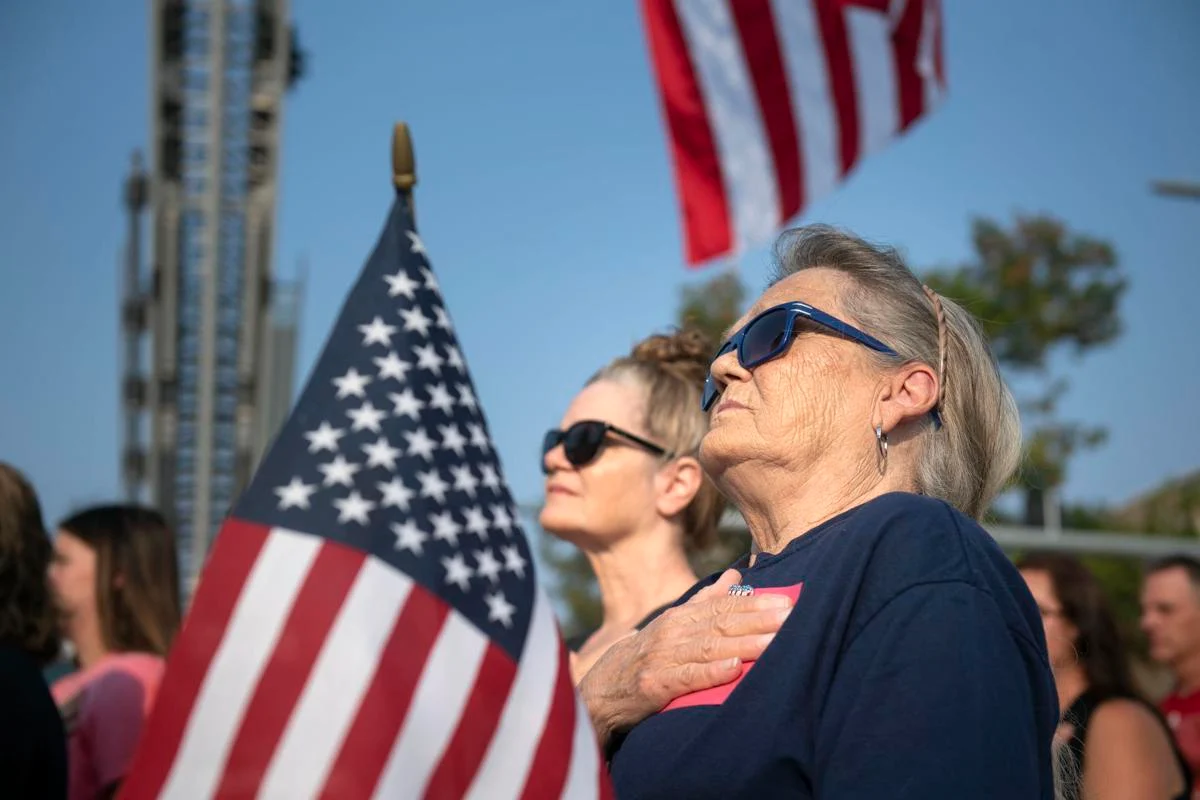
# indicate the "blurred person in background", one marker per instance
pixel 1171 622
pixel 1117 744
pixel 33 746
pixel 116 584
pixel 623 483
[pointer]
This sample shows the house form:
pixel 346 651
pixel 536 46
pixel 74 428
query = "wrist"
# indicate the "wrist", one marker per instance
pixel 599 708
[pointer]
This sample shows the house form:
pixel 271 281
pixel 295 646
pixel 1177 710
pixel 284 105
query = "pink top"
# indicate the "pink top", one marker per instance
pixel 104 708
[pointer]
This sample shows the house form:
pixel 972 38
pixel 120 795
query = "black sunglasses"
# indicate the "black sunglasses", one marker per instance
pixel 583 441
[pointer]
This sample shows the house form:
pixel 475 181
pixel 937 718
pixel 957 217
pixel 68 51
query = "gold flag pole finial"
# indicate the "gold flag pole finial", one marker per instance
pixel 404 164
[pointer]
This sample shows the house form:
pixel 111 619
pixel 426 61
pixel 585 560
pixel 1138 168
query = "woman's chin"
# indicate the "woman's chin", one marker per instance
pixel 559 524
pixel 718 451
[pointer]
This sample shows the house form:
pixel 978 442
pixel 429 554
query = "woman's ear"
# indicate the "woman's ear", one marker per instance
pixel 908 394
pixel 678 483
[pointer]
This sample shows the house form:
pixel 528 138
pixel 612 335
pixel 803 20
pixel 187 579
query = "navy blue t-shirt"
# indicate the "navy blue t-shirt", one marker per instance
pixel 913 665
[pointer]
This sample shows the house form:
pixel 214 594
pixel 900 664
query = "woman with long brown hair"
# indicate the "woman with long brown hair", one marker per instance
pixel 1117 746
pixel 116 582
pixel 33 751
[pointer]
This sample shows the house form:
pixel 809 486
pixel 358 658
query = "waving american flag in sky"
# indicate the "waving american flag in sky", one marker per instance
pixel 771 103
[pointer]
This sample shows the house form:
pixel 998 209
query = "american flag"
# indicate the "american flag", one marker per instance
pixel 368 623
pixel 771 103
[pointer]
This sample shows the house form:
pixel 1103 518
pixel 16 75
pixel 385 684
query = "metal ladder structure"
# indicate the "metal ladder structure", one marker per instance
pixel 202 400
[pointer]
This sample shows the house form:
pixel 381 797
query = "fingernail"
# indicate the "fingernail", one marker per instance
pixel 782 614
pixel 774 601
pixel 731 663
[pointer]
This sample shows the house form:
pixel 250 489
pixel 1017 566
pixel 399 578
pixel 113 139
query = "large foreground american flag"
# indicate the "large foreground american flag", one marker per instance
pixel 770 103
pixel 369 624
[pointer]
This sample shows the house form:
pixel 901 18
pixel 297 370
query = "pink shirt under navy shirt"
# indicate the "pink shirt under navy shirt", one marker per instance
pixel 104 708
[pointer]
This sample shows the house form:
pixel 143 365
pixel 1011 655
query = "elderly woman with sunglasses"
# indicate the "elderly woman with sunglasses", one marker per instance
pixel 623 483
pixel 861 426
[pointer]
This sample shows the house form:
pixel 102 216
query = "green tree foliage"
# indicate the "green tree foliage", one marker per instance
pixel 713 305
pixel 1039 289
pixel 1173 509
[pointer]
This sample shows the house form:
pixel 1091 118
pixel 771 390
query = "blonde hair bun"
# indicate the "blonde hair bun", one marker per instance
pixel 685 353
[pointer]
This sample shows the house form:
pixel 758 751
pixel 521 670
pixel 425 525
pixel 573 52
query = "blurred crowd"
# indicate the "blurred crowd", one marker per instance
pixel 919 655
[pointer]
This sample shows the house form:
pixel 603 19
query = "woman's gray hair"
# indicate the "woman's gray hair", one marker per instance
pixel 970 458
pixel 1065 772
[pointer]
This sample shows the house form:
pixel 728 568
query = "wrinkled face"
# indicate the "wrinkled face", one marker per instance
pixel 612 495
pixel 1061 634
pixel 1171 615
pixel 795 409
pixel 73 577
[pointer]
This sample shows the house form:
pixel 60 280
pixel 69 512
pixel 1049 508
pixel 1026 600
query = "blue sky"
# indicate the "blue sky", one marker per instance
pixel 547 204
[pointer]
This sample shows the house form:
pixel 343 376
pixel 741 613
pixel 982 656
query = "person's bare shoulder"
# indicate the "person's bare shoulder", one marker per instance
pixel 1121 717
pixel 1128 753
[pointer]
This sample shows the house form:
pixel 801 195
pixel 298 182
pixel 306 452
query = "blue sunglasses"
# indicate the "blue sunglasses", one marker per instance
pixel 768 335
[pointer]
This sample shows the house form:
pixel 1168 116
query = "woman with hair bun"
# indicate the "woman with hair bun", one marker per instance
pixel 624 486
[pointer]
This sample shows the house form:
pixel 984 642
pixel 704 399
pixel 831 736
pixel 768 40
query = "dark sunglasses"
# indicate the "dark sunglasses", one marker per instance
pixel 768 335
pixel 583 441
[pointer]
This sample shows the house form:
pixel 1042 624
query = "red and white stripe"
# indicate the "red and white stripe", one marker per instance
pixel 308 668
pixel 770 103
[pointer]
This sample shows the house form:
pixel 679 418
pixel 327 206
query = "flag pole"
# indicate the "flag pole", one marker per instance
pixel 404 164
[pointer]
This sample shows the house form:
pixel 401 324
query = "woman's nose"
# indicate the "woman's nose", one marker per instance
pixel 555 459
pixel 726 368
